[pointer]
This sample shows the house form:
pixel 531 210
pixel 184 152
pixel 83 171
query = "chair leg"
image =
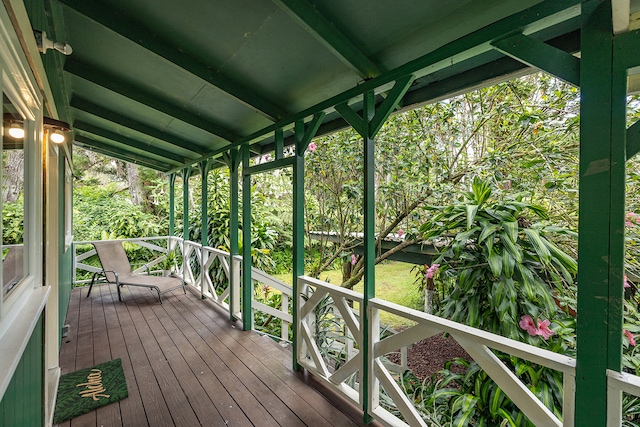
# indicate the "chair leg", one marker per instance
pixel 119 292
pixel 93 279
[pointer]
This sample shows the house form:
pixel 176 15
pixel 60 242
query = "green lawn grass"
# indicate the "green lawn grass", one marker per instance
pixel 394 283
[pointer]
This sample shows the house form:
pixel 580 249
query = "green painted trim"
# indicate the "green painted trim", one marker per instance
pixel 86 128
pixel 633 140
pixel 247 285
pixel 121 87
pixel 384 110
pixel 205 167
pixel 269 166
pixel 303 136
pixel 118 153
pixel 369 246
pixel 351 117
pixel 113 117
pixel 279 144
pixel 172 203
pixel 627 43
pixel 186 174
pixel 132 30
pixel 325 31
pixel 537 54
pixel 234 208
pixel 601 213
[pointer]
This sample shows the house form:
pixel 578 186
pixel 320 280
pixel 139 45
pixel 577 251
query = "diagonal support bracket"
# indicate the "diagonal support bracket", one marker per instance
pixel 383 111
pixel 305 133
pixel 537 54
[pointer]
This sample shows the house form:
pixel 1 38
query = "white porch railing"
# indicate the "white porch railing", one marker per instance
pixel 618 383
pixel 205 271
pixel 340 366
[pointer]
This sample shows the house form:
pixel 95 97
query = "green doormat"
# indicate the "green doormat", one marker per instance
pixel 88 389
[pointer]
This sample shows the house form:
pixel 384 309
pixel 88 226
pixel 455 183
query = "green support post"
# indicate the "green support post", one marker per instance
pixel 601 226
pixel 247 286
pixel 368 127
pixel 233 161
pixel 172 203
pixel 302 137
pixel 205 166
pixel 186 173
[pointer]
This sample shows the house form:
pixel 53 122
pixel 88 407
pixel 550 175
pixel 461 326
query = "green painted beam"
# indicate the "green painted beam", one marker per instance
pixel 120 153
pixel 601 215
pixel 269 166
pixel 86 128
pixel 113 117
pixel 540 16
pixel 628 42
pixel 135 32
pixel 633 140
pixel 537 54
pixel 114 84
pixel 351 117
pixel 325 31
pixel 385 109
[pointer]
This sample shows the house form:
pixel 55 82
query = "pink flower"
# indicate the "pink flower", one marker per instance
pixel 625 282
pixel 527 323
pixel 543 329
pixel 431 271
pixel 631 338
pixel 400 232
pixel 354 259
pixel 312 147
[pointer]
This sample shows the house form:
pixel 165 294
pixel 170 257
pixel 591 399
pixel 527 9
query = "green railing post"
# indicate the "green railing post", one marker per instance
pixel 186 173
pixel 303 137
pixel 368 126
pixel 205 167
pixel 601 211
pixel 247 286
pixel 232 160
pixel 172 203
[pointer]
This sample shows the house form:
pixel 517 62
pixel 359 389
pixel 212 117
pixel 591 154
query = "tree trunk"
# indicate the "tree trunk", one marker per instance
pixel 13 175
pixel 135 191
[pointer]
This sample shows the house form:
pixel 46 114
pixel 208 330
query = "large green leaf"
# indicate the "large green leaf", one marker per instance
pixel 495 264
pixel 508 263
pixel 511 247
pixel 539 243
pixel 471 215
pixel 487 231
pixel 511 228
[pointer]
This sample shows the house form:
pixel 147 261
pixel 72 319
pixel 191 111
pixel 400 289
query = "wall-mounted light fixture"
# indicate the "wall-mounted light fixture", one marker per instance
pixel 55 129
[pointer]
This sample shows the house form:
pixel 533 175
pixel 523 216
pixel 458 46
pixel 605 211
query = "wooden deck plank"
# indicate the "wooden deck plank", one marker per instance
pixel 187 365
pixel 131 409
pixel 256 362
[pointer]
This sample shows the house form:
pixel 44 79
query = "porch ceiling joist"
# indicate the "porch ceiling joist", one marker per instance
pixel 86 128
pixel 326 32
pixel 119 119
pixel 120 153
pixel 132 30
pixel 138 94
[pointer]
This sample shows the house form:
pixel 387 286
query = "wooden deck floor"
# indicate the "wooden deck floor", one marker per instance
pixel 187 365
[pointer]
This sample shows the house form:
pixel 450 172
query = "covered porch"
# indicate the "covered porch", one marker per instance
pixel 186 364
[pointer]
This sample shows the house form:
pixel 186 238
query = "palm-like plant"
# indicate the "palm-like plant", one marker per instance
pixel 503 266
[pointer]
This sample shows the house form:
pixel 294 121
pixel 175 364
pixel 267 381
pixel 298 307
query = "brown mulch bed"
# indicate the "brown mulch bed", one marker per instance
pixel 428 356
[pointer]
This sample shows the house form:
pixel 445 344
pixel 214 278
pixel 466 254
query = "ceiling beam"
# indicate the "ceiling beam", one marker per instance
pixel 85 128
pixel 113 117
pixel 323 30
pixel 135 32
pixel 117 153
pixel 119 86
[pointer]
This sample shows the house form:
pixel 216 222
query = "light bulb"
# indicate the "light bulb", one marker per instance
pixel 16 131
pixel 57 137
